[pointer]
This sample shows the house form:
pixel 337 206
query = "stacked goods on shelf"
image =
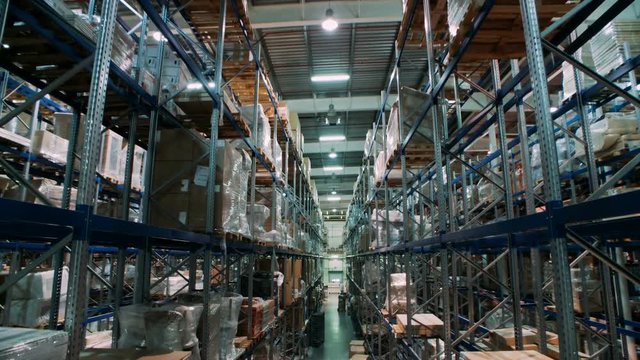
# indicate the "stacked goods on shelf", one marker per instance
pixel 229 315
pixel 52 190
pixel 277 159
pixel 306 167
pixel 378 224
pixel 262 138
pixel 615 133
pixel 31 299
pixel 110 165
pixel 292 270
pixel 49 146
pixel 393 133
pixel 426 325
pixel 180 178
pixel 457 11
pixel 568 79
pixel 30 344
pixel 503 355
pixel 137 166
pixel 398 294
pixel 296 133
pixel 175 75
pixel 607 46
pixel 268 232
pixel 587 293
pixel 262 314
pixel 369 143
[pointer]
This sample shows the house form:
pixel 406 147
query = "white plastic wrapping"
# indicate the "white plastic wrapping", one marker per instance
pixel 277 159
pixel 607 46
pixel 396 228
pixel 263 137
pixel 398 293
pixel 457 11
pixel 608 131
pixel 229 313
pixel 234 190
pixel 379 167
pixel 260 215
pixel 568 79
pixel 31 344
pixel 49 146
pixel 393 133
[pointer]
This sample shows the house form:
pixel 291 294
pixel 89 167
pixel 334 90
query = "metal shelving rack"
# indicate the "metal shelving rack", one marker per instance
pixel 469 260
pixel 111 97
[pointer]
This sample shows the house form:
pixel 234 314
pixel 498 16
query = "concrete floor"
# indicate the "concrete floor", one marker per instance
pixel 338 333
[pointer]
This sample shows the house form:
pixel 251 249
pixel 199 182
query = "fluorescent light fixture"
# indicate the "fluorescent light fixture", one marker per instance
pixel 194 86
pixel 6 46
pixel 334 210
pixel 157 36
pixel 211 84
pixel 329 23
pixel 331 77
pixel 553 109
pixel 333 192
pixel 333 168
pixel 333 198
pixel 332 138
pixel 333 155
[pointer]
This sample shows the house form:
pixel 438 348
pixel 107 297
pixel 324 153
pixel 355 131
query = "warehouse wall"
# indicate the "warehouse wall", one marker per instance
pixel 334 240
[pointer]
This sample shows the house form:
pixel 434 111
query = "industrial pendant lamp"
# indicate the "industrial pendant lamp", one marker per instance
pixel 329 23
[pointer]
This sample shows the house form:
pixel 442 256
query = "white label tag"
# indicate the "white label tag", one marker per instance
pixel 182 217
pixel 201 176
pixel 185 185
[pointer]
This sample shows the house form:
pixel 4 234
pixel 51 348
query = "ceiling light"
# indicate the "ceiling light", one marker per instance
pixel 194 86
pixel 332 77
pixel 329 23
pixel 553 109
pixel 335 210
pixel 333 168
pixel 211 84
pixel 333 198
pixel 333 192
pixel 6 46
pixel 332 138
pixel 157 36
pixel 333 155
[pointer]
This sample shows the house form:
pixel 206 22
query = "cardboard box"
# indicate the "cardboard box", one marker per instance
pixel 357 349
pixel 110 165
pixel 505 339
pixel 257 312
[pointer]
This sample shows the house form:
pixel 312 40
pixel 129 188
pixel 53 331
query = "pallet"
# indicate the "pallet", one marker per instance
pixel 424 325
pixel 227 131
pixel 270 164
pixel 501 35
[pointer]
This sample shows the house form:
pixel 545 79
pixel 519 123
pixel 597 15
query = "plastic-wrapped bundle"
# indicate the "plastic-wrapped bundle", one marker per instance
pixel 260 214
pixel 379 167
pixel 229 314
pixel 393 133
pixel 608 45
pixel 263 137
pixel 54 193
pixel 132 326
pixel 396 227
pixel 163 329
pixel 568 79
pixel 195 299
pixel 234 190
pixel 398 293
pixel 277 159
pixel 607 132
pixel 31 344
pixel 457 11
pixel 50 146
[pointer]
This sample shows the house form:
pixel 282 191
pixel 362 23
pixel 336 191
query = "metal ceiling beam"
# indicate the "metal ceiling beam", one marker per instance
pixel 353 103
pixel 313 13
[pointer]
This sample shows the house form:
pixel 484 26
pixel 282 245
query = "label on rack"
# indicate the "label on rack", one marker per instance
pixel 201 176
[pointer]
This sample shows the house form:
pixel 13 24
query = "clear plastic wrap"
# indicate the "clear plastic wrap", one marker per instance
pixel 396 228
pixel 163 329
pixel 31 344
pixel 110 165
pixel 398 293
pixel 568 79
pixel 606 133
pixel 263 137
pixel 277 159
pixel 607 46
pixel 229 314
pixel 271 233
pixel 457 11
pixel 235 179
pixel 49 146
pixel 379 167
pixel 54 193
pixel 393 133
pixel 195 299
pixel 260 215
pixel 132 326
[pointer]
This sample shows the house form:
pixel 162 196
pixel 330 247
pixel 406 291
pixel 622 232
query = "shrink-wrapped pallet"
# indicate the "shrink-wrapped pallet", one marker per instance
pixel 229 314
pixel 393 132
pixel 263 135
pixel 398 294
pixel 31 344
pixel 379 223
pixel 568 79
pixel 49 146
pixel 607 46
pixel 608 133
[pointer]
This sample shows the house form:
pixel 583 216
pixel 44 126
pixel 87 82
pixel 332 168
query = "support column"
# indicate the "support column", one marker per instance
pixel 549 157
pixel 76 300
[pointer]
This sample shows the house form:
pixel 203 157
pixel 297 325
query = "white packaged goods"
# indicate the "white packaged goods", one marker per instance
pixel 568 79
pixel 607 46
pixel 38 285
pixel 393 132
pixel 137 167
pixel 31 344
pixel 229 314
pixel 457 11
pixel 49 146
pixel 110 165
pixel 398 294
pixel 608 132
pixel 263 136
pixel 277 159
pixel 34 312
pixel 378 224
pixel 54 193
pixel 260 214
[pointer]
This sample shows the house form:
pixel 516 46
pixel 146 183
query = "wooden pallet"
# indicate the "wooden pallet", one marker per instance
pixel 227 131
pixel 270 164
pixel 501 35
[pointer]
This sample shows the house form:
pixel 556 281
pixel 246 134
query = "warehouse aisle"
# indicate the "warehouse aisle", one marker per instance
pixel 338 332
